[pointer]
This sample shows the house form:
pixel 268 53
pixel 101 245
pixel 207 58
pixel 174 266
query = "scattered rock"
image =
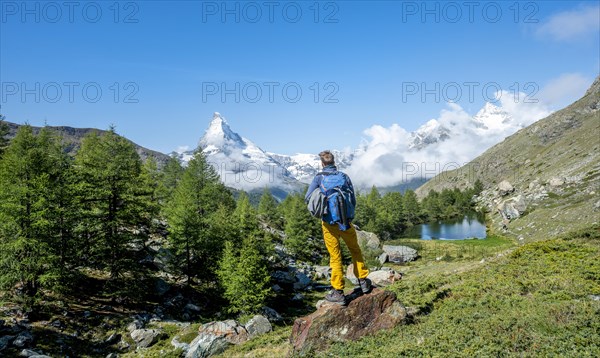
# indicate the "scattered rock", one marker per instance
pixel 112 339
pixel 161 287
pixel 123 345
pixel 334 323
pixel 271 314
pixel 23 339
pixel 206 346
pixel 5 342
pixel 277 288
pixel 383 258
pixel 284 277
pixel 30 353
pixel 302 281
pixel 231 330
pixel 505 188
pixel 258 325
pixel 595 297
pixel 322 272
pixel 350 274
pixel 368 239
pixel 554 182
pixel 215 337
pixel 192 307
pixel 400 254
pixel 298 297
pixel 384 277
pixel 136 324
pixel 146 337
pixel 112 355
pixel 512 208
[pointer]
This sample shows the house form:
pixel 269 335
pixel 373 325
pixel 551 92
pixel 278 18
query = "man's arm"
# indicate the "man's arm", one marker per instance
pixel 315 183
pixel 353 196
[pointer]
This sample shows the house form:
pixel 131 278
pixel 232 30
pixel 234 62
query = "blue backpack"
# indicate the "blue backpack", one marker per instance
pixel 340 206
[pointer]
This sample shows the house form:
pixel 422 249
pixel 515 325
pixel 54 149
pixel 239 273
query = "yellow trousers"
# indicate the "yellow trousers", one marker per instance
pixel 331 235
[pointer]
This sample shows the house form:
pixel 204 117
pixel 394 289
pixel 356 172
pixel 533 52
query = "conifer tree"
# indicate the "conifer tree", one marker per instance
pixel 245 216
pixel 33 234
pixel 108 170
pixel 391 216
pixel 170 176
pixel 411 208
pixel 267 209
pixel 198 195
pixel 244 276
pixel 3 134
pixel 301 230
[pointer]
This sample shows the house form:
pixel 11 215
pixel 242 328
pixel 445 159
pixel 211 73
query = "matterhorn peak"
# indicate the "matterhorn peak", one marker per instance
pixel 218 133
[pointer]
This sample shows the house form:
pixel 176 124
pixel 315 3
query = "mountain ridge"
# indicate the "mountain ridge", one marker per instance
pixel 542 179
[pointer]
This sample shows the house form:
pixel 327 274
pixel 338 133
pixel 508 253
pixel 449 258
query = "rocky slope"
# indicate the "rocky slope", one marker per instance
pixel 542 180
pixel 73 136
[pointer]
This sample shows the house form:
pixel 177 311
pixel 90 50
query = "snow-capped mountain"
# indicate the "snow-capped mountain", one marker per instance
pixel 429 133
pixel 244 165
pixel 492 117
pixel 240 163
pixel 305 166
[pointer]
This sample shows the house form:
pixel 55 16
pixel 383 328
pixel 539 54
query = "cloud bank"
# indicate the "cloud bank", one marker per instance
pixel 388 156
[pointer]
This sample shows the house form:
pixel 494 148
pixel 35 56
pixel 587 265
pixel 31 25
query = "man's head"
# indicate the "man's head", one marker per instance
pixel 326 158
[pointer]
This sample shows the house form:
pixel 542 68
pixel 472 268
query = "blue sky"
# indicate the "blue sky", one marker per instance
pixel 163 68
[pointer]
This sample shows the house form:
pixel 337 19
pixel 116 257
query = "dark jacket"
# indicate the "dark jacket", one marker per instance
pixel 319 177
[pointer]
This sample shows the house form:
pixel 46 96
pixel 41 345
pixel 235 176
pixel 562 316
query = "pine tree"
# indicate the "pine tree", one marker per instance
pixel 267 209
pixel 301 230
pixel 245 216
pixel 33 200
pixel 243 274
pixel 197 196
pixel 3 134
pixel 411 208
pixel 391 216
pixel 108 170
pixel 170 176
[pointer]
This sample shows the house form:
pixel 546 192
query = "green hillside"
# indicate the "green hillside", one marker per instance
pixel 554 165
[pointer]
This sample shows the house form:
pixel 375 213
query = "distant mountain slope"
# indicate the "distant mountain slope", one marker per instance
pixel 552 168
pixel 73 137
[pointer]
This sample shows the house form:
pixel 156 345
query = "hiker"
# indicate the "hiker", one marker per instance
pixel 336 222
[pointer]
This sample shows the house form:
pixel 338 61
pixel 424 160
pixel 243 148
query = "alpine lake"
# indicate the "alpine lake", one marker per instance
pixel 470 226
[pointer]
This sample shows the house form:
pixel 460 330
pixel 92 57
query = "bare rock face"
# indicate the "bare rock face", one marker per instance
pixel 365 315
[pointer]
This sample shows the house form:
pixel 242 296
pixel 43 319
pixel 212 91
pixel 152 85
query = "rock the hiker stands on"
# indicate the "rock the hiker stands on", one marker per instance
pixel 334 323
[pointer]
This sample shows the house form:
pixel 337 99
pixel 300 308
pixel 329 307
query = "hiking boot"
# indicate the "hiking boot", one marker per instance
pixel 336 296
pixel 365 285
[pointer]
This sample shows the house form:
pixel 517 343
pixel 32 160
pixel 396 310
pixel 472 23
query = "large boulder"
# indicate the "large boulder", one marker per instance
pixel 206 345
pixel 512 208
pixel 146 337
pixel 400 254
pixel 334 323
pixel 368 239
pixel 505 188
pixel 215 337
pixel 257 326
pixel 384 277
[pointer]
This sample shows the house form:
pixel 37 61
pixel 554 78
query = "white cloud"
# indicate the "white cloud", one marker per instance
pixel 571 25
pixel 386 158
pixel 565 89
pixel 182 149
